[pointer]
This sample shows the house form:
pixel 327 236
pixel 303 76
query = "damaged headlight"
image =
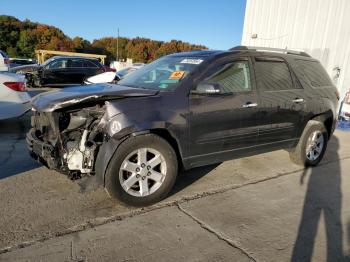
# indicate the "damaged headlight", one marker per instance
pixel 76 120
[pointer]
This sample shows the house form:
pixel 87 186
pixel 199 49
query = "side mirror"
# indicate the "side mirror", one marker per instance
pixel 207 89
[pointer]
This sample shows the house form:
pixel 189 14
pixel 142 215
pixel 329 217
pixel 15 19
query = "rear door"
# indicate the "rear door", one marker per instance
pixel 223 123
pixel 76 71
pixel 91 68
pixel 281 99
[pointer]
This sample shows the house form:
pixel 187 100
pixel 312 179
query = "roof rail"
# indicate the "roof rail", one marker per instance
pixel 270 49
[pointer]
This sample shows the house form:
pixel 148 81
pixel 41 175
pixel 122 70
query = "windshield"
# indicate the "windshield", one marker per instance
pixel 162 73
pixel 3 54
pixel 48 61
pixel 122 73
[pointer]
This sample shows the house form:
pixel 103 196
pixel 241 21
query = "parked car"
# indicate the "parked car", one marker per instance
pixel 14 101
pixel 61 71
pixel 15 62
pixel 345 108
pixel 111 77
pixel 108 69
pixel 182 111
pixel 127 71
pixel 4 61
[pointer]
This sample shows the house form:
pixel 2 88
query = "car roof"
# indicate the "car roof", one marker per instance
pixel 263 51
pixel 79 57
pixel 198 53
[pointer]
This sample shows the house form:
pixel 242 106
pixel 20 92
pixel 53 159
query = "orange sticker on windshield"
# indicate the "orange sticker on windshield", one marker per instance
pixel 176 75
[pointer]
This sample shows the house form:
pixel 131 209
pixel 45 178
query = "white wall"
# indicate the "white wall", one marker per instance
pixel 319 27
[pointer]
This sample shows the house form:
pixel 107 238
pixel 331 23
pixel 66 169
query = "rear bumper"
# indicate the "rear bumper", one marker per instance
pixel 14 110
pixel 41 151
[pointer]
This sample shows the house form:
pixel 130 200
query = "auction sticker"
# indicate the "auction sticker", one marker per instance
pixel 177 75
pixel 191 61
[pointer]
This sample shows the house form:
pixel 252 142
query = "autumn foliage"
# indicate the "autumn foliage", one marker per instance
pixel 21 38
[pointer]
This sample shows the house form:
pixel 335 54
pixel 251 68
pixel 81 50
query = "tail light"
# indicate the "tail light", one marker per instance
pixel 7 61
pixel 16 86
pixel 347 98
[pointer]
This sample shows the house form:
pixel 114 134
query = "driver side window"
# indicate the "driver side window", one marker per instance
pixel 232 77
pixel 57 64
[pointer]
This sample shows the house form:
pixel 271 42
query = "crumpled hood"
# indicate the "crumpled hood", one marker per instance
pixel 25 68
pixel 53 100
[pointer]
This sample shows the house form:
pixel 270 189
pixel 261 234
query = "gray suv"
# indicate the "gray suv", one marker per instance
pixel 182 111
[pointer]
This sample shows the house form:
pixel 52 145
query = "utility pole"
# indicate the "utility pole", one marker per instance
pixel 118 46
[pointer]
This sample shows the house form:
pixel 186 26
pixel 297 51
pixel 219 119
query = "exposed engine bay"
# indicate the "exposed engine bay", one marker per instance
pixel 68 141
pixel 76 130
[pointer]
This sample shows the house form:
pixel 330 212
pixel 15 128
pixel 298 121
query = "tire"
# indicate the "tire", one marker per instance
pixel 309 152
pixel 131 186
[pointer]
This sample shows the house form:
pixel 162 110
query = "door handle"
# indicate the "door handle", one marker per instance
pixel 298 100
pixel 248 105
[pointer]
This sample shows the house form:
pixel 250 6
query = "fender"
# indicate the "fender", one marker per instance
pixel 106 153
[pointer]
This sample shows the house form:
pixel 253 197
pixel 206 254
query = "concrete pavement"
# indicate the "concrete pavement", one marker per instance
pixel 258 208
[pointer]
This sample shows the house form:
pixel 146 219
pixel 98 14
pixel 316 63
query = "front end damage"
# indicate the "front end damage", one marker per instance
pixel 71 126
pixel 67 141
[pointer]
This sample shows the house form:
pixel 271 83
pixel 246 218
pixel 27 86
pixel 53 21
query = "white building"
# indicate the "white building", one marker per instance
pixel 319 27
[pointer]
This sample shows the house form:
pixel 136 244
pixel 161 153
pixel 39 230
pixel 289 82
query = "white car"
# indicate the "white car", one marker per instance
pixel 14 101
pixel 4 61
pixel 111 77
pixel 345 111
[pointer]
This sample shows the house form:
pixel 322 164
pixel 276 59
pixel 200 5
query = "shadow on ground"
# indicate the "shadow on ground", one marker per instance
pixel 323 197
pixel 187 178
pixel 14 156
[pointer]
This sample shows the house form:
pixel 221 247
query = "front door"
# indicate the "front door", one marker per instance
pixel 221 123
pixel 54 73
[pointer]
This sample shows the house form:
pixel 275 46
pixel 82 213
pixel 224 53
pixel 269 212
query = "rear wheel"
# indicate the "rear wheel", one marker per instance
pixel 311 146
pixel 142 171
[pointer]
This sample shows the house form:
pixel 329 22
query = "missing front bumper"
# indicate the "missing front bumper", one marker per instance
pixel 41 151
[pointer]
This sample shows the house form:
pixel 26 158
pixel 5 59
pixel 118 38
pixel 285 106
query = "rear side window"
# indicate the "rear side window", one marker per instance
pixel 273 75
pixel 232 77
pixel 314 73
pixel 75 63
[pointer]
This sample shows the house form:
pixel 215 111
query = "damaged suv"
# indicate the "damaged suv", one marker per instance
pixel 182 111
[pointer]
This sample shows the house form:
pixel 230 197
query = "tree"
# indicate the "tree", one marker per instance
pixel 22 38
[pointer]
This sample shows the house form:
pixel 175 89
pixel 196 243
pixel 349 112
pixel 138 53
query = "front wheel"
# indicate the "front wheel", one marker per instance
pixel 311 146
pixel 142 171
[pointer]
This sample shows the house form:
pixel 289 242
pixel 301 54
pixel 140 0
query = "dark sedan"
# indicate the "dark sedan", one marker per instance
pixel 62 71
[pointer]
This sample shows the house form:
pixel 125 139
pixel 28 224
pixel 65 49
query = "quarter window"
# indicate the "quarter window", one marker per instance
pixel 314 72
pixel 273 75
pixel 90 64
pixel 232 77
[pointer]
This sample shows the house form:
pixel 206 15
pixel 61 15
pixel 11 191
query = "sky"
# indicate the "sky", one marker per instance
pixel 217 24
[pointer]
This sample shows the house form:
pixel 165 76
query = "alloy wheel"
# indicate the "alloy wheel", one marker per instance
pixel 142 172
pixel 314 145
